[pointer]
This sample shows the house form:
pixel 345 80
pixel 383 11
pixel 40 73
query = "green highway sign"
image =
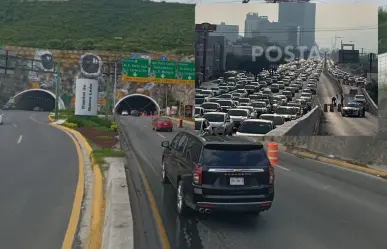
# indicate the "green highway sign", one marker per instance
pixel 163 71
pixel 158 71
pixel 186 72
pixel 136 70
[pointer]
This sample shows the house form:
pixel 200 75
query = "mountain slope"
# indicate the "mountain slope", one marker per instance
pixel 126 25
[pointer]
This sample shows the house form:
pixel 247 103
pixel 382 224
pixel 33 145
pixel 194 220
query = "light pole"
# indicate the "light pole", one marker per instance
pixel 57 84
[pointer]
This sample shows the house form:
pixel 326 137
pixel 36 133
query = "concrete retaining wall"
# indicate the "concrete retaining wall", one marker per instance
pixel 366 150
pixel 118 224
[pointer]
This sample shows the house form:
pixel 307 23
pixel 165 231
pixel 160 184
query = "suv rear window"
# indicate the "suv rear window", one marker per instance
pixel 215 155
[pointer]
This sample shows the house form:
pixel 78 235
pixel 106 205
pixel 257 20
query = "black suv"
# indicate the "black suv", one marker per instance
pixel 218 173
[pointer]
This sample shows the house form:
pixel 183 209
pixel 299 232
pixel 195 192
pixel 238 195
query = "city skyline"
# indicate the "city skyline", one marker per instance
pixel 347 27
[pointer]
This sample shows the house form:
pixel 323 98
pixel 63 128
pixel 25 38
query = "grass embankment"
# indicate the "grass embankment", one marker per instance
pixel 101 134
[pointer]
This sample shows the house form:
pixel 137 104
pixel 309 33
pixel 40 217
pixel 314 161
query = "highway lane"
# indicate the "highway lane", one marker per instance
pixel 38 178
pixel 316 205
pixel 337 125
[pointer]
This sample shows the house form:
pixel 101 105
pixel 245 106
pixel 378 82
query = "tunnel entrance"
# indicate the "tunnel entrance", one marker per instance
pixel 139 102
pixel 36 100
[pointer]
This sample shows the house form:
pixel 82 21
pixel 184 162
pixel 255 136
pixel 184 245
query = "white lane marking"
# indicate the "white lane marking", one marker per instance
pixel 281 167
pixel 161 135
pixel 15 125
pixel 145 126
pixel 20 139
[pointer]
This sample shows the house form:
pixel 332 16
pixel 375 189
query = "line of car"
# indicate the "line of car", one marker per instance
pixel 253 106
pixel 357 106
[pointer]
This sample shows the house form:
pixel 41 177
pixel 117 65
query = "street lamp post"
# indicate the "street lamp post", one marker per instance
pixel 57 84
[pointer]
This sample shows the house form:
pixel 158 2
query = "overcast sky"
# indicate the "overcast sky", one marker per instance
pixel 357 24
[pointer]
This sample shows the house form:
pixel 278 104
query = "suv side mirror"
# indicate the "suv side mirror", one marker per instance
pixel 165 144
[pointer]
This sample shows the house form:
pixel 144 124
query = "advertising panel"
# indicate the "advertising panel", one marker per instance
pixel 86 97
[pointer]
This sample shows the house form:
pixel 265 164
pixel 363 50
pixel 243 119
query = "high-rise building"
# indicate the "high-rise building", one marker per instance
pixel 302 15
pixel 231 32
pixel 251 24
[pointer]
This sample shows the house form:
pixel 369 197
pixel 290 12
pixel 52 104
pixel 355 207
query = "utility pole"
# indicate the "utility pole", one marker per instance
pixel 204 29
pixel 57 85
pixel 371 58
pixel 115 84
pixel 166 99
pixel 325 60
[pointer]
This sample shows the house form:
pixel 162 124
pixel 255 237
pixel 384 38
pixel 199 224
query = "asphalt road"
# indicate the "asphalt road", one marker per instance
pixel 317 205
pixel 38 178
pixel 336 125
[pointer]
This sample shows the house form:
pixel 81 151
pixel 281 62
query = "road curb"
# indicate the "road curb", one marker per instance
pixel 335 161
pixel 76 212
pixel 118 223
pixel 98 202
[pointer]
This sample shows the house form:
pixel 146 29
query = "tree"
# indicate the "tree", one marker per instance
pixel 144 25
pixel 382 30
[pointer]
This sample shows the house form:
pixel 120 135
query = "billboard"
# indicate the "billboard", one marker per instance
pixel 86 97
pixel 349 56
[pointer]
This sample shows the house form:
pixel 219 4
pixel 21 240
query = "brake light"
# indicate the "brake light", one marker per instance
pixel 197 174
pixel 271 174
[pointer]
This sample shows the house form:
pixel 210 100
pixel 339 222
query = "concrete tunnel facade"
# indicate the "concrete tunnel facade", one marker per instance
pixel 137 101
pixel 18 100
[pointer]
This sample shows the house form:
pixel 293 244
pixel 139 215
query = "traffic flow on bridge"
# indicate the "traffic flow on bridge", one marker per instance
pixel 256 105
pixel 287 94
pixel 357 115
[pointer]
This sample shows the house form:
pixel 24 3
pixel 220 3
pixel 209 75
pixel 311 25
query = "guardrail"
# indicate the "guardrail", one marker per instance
pixel 371 106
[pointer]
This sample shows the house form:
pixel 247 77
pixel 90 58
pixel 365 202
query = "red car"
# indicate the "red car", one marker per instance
pixel 160 124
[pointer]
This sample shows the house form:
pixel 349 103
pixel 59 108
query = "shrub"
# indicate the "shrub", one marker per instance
pixel 70 125
pixel 114 126
pixel 83 121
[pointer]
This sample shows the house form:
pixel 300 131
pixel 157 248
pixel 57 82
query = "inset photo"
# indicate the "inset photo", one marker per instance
pixel 288 69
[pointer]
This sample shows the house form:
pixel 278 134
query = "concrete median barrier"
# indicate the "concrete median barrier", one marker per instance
pixel 361 150
pixel 118 224
pixel 307 125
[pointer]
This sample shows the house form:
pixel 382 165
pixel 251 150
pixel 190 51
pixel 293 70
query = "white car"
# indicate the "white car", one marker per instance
pixel 124 113
pixel 255 127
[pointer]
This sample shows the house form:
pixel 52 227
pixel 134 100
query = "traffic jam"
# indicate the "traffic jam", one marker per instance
pixel 356 105
pixel 244 105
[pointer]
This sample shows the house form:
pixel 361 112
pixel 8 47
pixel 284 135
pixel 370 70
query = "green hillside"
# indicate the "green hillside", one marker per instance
pixel 382 31
pixel 125 25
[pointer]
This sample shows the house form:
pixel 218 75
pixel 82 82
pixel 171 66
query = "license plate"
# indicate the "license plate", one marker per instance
pixel 237 181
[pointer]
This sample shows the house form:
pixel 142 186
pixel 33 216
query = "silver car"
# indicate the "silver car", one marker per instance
pixel 221 122
pixel 238 116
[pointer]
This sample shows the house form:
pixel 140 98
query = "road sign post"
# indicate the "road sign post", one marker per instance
pixel 163 71
pixel 136 70
pixel 186 73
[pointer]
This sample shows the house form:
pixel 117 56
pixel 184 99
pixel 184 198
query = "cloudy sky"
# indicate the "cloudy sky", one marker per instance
pixel 357 24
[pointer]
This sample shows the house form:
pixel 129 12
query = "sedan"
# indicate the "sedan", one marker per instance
pixel 162 124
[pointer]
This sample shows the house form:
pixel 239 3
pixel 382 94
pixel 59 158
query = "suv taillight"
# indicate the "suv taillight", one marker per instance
pixel 271 174
pixel 197 175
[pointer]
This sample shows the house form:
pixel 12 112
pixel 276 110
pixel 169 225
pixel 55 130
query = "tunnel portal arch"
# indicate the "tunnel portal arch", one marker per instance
pixel 119 102
pixel 61 104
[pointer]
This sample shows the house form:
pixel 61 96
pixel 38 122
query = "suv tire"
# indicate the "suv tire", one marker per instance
pixel 181 206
